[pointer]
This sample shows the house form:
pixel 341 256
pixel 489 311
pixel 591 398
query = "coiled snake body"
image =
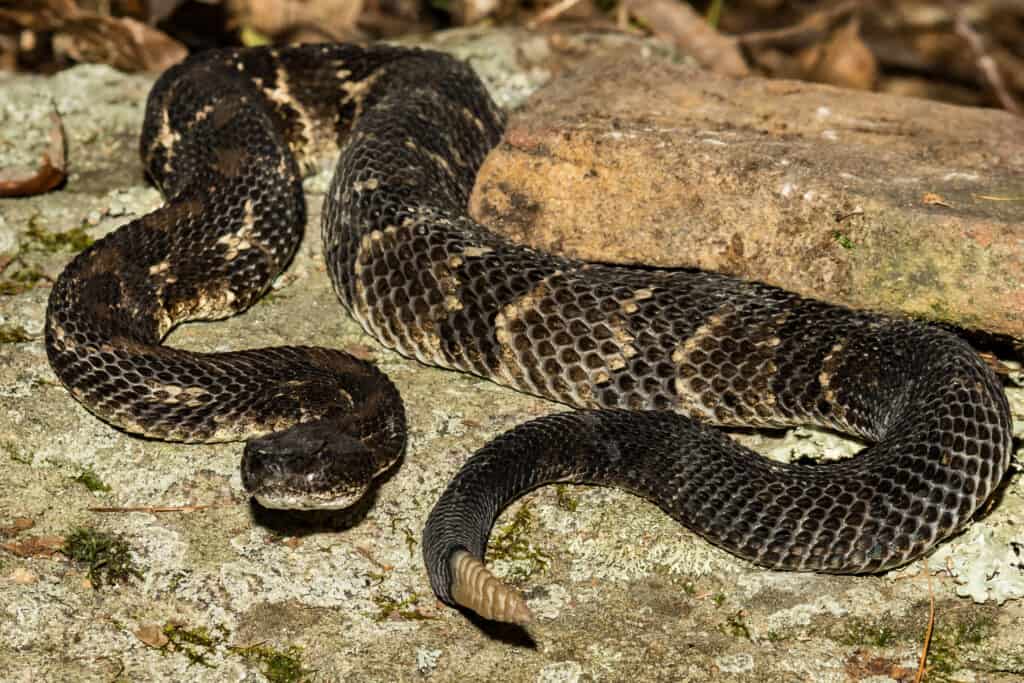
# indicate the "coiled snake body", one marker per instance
pixel 225 136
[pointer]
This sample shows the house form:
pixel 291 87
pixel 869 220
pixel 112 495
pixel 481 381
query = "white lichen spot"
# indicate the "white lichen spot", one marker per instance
pixel 956 175
pixel 823 112
pixel 735 664
pixel 426 660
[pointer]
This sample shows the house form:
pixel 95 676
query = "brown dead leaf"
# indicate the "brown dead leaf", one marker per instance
pixel 121 42
pixel 152 635
pixel 38 15
pixel 51 172
pixel 932 198
pixel 35 546
pixel 23 576
pixel 322 19
pixel 361 351
pixel 17 526
pixel 861 664
pixel 843 60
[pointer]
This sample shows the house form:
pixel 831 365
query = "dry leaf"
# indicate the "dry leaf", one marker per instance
pixel 50 174
pixel 123 43
pixel 932 198
pixel 20 524
pixel 152 635
pixel 23 576
pixel 35 546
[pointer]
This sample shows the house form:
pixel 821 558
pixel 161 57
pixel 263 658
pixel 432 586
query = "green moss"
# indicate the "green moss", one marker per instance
pixel 91 481
pixel 404 608
pixel 512 542
pixel 735 626
pixel 565 500
pixel 20 280
pixel 860 632
pixel 957 635
pixel 13 334
pixel 74 240
pixel 718 599
pixel 278 666
pixel 107 556
pixel 842 240
pixel 197 644
pixel 953 642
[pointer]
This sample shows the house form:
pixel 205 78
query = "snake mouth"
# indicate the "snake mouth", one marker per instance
pixel 282 499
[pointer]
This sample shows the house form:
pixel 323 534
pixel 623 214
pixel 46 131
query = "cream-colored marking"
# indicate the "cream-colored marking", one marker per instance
pixel 601 377
pixel 356 90
pixel 167 138
pixel 452 303
pixel 825 377
pixel 203 113
pixel 691 403
pixel 159 268
pixel 369 184
pixel 189 396
pixel 476 252
pixel 472 118
pixel 281 94
pixel 239 240
pixel 454 261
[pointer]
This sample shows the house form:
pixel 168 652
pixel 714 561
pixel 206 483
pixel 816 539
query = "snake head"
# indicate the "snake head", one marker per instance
pixel 311 466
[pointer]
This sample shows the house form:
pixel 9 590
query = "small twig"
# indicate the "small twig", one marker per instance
pixel 164 508
pixel 551 13
pixel 809 30
pixel 986 65
pixel 931 627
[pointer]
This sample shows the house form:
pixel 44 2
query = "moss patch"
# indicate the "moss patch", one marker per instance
pixel 13 334
pixel 107 556
pixel 399 608
pixel 91 481
pixel 278 666
pixel 512 542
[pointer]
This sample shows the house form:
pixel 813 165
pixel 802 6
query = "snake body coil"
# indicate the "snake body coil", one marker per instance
pixel 225 136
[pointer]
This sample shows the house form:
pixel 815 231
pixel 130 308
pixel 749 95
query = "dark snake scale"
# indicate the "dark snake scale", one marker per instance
pixel 226 137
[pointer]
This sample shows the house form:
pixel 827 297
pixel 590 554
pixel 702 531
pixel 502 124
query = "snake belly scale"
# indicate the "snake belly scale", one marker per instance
pixel 648 356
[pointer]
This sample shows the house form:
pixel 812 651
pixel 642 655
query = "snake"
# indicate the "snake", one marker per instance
pixel 652 361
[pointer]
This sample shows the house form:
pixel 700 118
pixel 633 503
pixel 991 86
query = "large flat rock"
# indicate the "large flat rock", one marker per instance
pixel 874 201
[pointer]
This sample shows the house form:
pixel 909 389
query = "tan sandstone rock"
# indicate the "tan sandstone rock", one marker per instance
pixel 874 201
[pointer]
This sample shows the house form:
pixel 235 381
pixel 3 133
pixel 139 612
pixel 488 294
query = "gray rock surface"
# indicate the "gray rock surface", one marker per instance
pixel 621 592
